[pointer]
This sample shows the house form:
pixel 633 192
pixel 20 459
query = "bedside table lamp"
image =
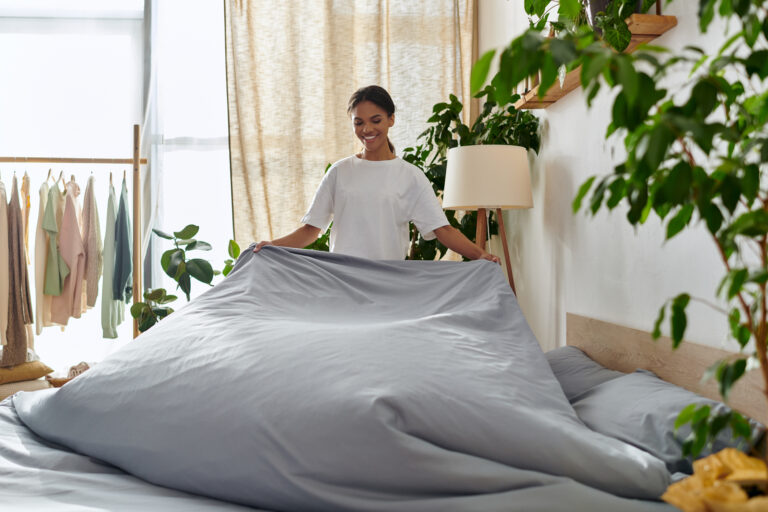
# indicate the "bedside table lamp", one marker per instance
pixel 488 176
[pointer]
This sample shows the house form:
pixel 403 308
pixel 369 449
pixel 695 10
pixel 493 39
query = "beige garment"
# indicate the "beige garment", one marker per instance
pixel 19 306
pixel 421 52
pixel 4 268
pixel 92 239
pixel 69 303
pixel 42 301
pixel 26 205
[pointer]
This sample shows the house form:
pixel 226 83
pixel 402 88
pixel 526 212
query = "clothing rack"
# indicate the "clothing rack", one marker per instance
pixel 136 161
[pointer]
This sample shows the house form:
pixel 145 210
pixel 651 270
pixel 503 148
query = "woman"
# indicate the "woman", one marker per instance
pixel 373 195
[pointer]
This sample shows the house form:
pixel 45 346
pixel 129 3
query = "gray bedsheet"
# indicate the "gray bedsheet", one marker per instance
pixel 313 381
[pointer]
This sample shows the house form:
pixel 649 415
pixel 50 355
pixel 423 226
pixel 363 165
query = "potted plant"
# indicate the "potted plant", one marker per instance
pixel 180 268
pixel 606 17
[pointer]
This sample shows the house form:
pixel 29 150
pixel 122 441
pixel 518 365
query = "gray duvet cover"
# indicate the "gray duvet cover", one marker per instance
pixel 313 381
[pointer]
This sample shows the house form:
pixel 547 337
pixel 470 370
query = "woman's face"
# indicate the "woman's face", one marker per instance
pixel 372 124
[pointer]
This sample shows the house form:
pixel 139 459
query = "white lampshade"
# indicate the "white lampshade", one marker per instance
pixel 487 176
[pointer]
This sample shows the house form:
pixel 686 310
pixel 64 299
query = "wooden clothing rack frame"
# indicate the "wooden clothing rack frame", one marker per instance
pixel 136 161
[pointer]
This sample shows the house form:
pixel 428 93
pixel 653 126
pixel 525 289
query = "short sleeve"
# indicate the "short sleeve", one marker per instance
pixel 320 212
pixel 426 212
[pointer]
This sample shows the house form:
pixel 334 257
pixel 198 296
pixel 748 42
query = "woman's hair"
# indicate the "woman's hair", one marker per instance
pixel 379 97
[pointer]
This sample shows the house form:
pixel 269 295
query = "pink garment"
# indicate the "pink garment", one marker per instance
pixel 70 302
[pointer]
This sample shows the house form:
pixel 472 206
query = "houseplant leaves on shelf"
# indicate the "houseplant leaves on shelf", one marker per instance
pixel 697 155
pixel 607 17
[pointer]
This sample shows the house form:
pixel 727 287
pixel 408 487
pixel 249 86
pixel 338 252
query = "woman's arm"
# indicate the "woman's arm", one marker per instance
pixel 455 240
pixel 300 238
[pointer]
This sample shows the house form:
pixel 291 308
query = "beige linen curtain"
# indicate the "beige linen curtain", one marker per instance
pixel 291 68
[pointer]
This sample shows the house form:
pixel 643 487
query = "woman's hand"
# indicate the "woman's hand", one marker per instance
pixel 455 240
pixel 490 257
pixel 262 244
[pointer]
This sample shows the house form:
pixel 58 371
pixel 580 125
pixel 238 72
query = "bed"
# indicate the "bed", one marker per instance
pixel 310 381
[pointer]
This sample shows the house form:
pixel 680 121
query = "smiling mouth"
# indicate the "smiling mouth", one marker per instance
pixel 369 139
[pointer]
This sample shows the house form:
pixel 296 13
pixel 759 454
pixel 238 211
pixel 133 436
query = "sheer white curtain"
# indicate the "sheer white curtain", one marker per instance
pixel 185 134
pixel 291 68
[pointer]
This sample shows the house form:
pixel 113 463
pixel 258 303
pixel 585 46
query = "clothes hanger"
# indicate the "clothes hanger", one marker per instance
pixel 49 174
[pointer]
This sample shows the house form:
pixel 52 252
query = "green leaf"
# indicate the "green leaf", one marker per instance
pixel 752 29
pixel 592 68
pixel 685 416
pixel 706 13
pixel 583 189
pixel 181 270
pixel 628 79
pixel 658 143
pixel 138 308
pixel 656 334
pixel 147 322
pixel 617 35
pixel 750 224
pixel 155 295
pixel 569 9
pixel 480 70
pixel 740 426
pixel 548 75
pixel 188 232
pixel 680 220
pixel 199 245
pixel 728 375
pixel 171 260
pixel 162 312
pixel 704 98
pixel 167 299
pixel 750 183
pixel 713 217
pixel 200 270
pixel 562 51
pixel 163 234
pixel 738 277
pixel 228 266
pixel 185 284
pixel 718 423
pixel 233 249
pixel 679 320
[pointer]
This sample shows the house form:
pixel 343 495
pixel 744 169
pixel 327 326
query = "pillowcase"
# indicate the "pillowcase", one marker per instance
pixel 640 409
pixel 24 371
pixel 576 371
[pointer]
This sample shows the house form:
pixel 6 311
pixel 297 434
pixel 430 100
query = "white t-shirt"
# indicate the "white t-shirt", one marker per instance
pixel 371 204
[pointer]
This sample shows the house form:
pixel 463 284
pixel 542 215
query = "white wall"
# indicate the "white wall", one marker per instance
pixel 600 267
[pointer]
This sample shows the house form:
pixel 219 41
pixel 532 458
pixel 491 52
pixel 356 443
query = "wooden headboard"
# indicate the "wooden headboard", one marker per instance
pixel 625 349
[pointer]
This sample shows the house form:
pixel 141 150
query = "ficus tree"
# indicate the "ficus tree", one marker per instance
pixel 696 156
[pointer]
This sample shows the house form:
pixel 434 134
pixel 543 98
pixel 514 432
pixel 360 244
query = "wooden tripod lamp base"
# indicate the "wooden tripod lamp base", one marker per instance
pixel 481 236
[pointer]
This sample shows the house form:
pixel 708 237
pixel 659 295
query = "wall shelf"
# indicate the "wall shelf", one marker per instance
pixel 644 28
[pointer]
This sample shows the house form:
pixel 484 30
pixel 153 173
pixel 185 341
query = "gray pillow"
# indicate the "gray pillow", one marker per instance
pixel 640 409
pixel 576 372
